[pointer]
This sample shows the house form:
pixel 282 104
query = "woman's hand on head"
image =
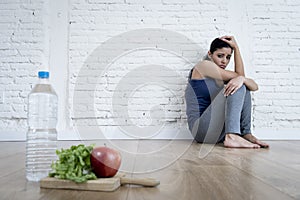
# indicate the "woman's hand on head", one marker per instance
pixel 230 40
pixel 233 85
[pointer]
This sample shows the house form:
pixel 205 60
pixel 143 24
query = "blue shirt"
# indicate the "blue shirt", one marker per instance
pixel 199 94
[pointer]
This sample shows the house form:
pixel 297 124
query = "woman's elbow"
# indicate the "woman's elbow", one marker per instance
pixel 254 88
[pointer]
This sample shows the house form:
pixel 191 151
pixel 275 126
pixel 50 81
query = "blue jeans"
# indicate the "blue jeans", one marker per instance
pixel 230 114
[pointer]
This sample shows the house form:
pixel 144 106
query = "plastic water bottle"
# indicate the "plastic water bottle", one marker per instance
pixel 42 135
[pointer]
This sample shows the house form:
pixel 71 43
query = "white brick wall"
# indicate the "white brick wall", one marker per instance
pixel 150 102
pixel 21 51
pixel 268 33
pixel 276 50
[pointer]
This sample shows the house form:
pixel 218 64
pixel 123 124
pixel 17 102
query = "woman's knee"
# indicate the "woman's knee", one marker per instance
pixel 239 93
pixel 242 90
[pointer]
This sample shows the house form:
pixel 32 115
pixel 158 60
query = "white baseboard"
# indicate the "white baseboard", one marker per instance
pixel 167 133
pixel 90 133
pixel 277 134
pixel 116 133
pixel 6 135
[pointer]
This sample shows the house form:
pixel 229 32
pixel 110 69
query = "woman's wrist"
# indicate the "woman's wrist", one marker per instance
pixel 235 48
pixel 243 78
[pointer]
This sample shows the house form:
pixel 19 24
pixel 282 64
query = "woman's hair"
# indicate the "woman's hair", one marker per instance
pixel 218 44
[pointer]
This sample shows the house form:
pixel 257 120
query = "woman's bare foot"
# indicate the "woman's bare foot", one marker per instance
pixel 236 141
pixel 254 140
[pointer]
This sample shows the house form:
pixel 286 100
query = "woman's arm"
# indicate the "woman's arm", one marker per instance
pixel 238 61
pixel 235 81
pixel 251 84
pixel 234 84
pixel 209 69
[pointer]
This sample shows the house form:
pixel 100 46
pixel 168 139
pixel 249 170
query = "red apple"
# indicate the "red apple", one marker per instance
pixel 105 162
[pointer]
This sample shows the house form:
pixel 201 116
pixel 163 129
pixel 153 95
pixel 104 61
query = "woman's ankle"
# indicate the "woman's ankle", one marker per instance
pixel 231 136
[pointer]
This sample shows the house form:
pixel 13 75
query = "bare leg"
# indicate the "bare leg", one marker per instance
pixel 254 140
pixel 236 141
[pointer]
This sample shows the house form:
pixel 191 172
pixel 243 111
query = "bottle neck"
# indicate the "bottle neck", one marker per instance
pixel 44 81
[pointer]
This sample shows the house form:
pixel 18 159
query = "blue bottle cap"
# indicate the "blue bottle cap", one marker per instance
pixel 43 74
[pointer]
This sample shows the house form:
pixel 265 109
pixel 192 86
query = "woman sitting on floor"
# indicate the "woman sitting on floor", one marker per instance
pixel 217 112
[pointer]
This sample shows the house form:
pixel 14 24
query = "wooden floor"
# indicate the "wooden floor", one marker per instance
pixel 186 170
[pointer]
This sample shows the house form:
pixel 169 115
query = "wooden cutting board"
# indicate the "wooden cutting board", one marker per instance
pixel 101 184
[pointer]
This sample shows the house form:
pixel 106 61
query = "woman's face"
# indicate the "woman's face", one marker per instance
pixel 221 57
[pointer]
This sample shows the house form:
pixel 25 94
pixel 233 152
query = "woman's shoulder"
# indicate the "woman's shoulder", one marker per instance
pixel 196 74
pixel 200 68
pixel 204 63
